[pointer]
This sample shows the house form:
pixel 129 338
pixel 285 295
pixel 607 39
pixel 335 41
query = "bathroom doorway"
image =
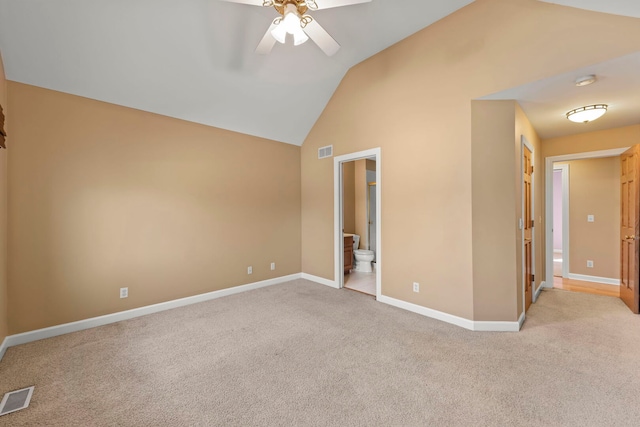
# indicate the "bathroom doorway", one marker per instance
pixel 357 220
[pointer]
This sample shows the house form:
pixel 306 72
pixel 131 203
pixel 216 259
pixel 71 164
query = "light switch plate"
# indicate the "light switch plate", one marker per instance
pixel 591 218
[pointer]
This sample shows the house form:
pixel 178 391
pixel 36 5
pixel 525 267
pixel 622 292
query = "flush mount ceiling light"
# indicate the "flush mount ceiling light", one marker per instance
pixel 586 80
pixel 295 21
pixel 587 114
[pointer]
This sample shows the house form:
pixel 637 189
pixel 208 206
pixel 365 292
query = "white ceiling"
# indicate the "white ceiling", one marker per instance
pixel 547 101
pixel 195 60
pixel 615 7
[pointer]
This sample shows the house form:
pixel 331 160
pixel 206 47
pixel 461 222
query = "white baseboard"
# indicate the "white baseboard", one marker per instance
pixel 3 348
pixel 321 280
pixel 595 279
pixel 495 326
pixel 93 322
pixel 521 320
pixel 537 295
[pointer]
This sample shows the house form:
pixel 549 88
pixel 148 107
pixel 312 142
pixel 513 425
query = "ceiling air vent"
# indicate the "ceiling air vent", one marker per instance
pixel 324 152
pixel 16 400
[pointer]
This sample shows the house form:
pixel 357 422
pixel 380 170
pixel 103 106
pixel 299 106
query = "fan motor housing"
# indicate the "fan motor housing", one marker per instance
pixel 299 4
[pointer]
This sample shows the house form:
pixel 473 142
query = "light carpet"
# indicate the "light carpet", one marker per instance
pixel 301 354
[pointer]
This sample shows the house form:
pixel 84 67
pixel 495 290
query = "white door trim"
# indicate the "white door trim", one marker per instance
pixel 338 250
pixel 548 215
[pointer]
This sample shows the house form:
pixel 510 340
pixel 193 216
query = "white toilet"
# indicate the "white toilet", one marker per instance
pixel 363 257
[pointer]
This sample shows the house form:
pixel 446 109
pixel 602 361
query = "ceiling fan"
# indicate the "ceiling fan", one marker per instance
pixel 294 20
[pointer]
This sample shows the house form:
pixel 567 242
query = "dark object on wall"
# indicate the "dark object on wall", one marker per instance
pixel 3 134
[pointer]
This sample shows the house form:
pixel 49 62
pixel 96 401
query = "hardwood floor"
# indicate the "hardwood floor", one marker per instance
pixel 586 287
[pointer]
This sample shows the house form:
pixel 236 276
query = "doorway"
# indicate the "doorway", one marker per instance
pixel 583 232
pixel 560 226
pixel 357 201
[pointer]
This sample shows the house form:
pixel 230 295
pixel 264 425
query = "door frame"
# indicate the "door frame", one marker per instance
pixel 548 215
pixel 525 143
pixel 338 220
pixel 565 217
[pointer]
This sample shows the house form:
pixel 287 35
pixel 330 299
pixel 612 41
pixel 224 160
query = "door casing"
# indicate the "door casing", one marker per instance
pixel 375 154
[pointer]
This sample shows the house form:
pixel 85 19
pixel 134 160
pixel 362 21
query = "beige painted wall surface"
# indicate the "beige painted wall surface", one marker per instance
pixel 413 100
pixel 3 214
pixel 348 198
pixel 494 197
pixel 102 197
pixel 592 141
pixel 594 190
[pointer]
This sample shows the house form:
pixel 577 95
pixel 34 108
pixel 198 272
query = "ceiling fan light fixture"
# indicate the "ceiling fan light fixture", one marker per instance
pixel 587 113
pixel 299 37
pixel 290 24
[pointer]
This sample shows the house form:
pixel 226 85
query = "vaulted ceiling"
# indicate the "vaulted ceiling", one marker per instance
pixel 195 60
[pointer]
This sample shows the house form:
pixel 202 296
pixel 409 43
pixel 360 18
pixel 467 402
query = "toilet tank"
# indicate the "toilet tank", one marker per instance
pixel 356 242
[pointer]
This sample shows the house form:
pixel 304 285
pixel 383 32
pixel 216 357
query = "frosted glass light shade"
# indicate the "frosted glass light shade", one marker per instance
pixel 587 114
pixel 290 24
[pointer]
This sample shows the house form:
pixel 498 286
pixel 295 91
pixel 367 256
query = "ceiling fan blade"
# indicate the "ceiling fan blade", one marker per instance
pixel 251 2
pixel 326 4
pixel 320 36
pixel 267 42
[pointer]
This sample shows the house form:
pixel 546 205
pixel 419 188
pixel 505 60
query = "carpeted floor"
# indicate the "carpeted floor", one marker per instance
pixel 301 354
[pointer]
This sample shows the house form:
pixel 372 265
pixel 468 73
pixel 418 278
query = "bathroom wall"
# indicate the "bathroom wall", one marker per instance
pixel 361 202
pixel 413 100
pixel 349 197
pixel 102 197
pixel 3 211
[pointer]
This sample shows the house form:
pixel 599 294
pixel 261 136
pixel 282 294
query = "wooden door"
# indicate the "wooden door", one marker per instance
pixel 527 216
pixel 629 227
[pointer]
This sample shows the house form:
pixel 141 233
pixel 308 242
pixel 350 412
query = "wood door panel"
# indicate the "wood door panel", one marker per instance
pixel 527 218
pixel 630 227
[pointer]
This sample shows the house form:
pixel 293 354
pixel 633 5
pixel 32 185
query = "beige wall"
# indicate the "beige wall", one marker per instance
pixel 496 133
pixel 495 260
pixel 103 197
pixel 3 213
pixel 413 100
pixel 592 141
pixel 348 198
pixel 594 190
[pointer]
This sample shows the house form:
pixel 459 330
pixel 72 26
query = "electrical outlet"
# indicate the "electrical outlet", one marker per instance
pixel 124 292
pixel 416 287
pixel 249 270
pixel 273 265
pixel 591 218
pixel 589 263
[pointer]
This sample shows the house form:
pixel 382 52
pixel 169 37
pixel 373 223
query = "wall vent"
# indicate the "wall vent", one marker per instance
pixel 16 400
pixel 324 152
